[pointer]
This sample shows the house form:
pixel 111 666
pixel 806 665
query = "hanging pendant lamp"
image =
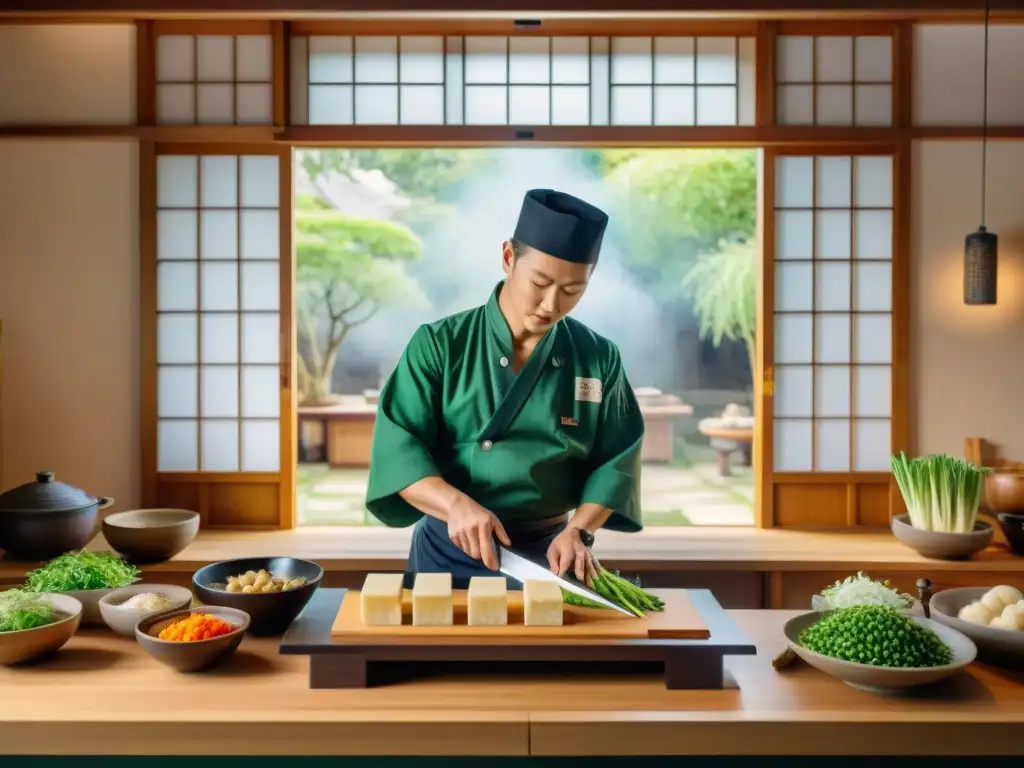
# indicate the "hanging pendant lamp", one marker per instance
pixel 981 248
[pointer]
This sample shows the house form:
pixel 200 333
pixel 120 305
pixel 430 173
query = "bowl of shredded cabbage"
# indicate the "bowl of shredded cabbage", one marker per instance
pixel 32 624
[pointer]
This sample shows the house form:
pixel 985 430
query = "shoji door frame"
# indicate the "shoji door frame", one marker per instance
pixel 199 490
pixel 811 484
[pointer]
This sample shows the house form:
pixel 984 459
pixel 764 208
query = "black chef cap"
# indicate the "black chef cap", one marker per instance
pixel 561 225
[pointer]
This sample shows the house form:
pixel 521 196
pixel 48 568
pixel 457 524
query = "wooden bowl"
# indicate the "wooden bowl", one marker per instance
pixel 195 656
pixel 123 620
pixel 939 545
pixel 997 646
pixel 151 535
pixel 869 677
pixel 26 644
pixel 1004 490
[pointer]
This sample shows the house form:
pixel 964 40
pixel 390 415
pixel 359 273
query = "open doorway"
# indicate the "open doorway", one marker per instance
pixel 387 239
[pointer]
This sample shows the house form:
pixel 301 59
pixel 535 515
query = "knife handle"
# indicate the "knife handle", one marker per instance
pixel 586 537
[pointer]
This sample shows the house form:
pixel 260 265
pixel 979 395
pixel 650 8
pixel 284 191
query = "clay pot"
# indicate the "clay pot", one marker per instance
pixel 1004 491
pixel 46 518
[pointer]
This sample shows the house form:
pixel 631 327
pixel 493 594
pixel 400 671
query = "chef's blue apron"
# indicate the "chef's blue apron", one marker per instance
pixel 433 552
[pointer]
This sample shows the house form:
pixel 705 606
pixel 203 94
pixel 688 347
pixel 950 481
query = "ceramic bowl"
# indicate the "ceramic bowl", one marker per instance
pixel 882 679
pixel 1004 490
pixel 90 600
pixel 1001 647
pixel 939 545
pixel 272 612
pixel 1013 530
pixel 196 656
pixel 26 644
pixel 150 535
pixel 123 620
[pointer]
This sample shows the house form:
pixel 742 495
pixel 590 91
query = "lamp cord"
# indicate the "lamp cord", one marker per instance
pixel 984 123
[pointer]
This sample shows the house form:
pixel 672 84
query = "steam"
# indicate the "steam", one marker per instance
pixel 460 267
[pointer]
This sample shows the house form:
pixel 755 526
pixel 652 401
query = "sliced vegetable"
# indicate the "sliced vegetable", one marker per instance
pixel 942 493
pixel 860 590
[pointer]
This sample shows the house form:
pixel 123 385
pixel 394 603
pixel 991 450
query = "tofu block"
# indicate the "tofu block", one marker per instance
pixel 542 603
pixel 488 601
pixel 432 600
pixel 381 600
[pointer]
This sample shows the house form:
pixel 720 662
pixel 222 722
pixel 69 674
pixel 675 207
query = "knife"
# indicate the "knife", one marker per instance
pixel 521 569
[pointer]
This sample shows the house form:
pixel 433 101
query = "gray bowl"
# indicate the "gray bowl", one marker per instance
pixel 868 677
pixel 123 620
pixel 939 545
pixel 196 656
pixel 997 646
pixel 27 644
pixel 150 535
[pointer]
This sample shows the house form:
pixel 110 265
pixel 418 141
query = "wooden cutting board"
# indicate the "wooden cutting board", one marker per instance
pixel 680 620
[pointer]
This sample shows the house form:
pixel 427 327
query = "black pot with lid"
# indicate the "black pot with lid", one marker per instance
pixel 46 518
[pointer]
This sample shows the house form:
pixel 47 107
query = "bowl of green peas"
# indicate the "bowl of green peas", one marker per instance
pixel 879 648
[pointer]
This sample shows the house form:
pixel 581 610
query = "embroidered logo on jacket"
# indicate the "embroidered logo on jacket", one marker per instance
pixel 588 390
pixel 568 421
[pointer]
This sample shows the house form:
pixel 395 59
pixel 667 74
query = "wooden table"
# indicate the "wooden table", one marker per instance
pixel 344 431
pixel 728 440
pixel 102 695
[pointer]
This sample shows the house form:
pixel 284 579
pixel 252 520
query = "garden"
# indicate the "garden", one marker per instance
pixel 387 239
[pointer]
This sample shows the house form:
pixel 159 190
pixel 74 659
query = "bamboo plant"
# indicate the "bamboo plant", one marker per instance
pixel 942 493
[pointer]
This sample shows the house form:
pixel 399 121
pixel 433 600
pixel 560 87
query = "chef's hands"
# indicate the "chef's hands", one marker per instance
pixel 473 528
pixel 567 551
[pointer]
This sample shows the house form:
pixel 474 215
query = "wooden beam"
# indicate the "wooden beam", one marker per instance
pixel 295 9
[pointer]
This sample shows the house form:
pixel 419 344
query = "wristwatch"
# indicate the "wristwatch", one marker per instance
pixel 586 537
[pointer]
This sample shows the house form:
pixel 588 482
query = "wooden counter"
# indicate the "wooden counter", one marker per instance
pixel 357 549
pixel 102 695
pixel 744 567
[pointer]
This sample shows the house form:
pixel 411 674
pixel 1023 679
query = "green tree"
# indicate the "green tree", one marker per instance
pixel 348 269
pixel 675 206
pixel 431 174
pixel 723 287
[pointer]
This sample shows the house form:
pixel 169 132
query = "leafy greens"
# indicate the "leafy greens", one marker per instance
pixel 24 610
pixel 82 570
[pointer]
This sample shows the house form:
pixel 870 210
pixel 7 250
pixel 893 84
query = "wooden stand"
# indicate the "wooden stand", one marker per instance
pixel 686 664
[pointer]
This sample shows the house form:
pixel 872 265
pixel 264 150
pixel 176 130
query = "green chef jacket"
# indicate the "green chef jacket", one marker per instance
pixel 565 430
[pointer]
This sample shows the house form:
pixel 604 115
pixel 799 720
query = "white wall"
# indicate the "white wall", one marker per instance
pixel 967 362
pixel 69 255
pixel 67 74
pixel 949 74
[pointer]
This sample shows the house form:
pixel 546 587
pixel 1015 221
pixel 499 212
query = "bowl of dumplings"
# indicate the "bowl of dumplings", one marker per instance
pixel 992 617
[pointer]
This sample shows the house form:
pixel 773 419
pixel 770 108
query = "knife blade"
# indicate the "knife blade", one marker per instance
pixel 521 569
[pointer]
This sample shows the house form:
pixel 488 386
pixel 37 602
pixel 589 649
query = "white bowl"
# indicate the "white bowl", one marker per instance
pixel 869 677
pixel 123 620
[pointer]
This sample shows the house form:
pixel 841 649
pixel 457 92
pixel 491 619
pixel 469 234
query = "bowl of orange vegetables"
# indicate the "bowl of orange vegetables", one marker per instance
pixel 192 639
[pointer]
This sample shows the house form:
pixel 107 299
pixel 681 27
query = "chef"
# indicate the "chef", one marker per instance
pixel 501 420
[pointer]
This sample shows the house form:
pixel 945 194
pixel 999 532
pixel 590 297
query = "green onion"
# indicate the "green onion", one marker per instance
pixel 942 493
